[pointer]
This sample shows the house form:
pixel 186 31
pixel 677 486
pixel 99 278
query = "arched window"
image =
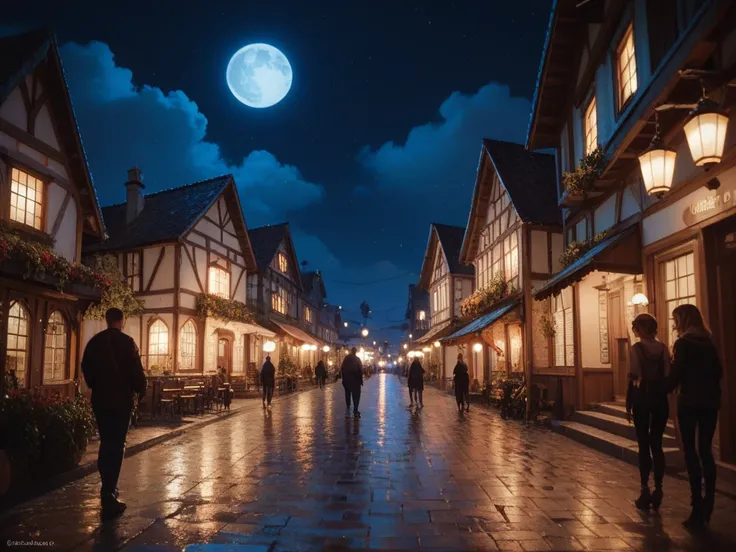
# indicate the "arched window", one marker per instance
pixel 54 358
pixel 16 356
pixel 188 346
pixel 158 345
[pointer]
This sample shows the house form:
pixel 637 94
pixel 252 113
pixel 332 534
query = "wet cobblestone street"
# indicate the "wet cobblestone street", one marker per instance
pixel 303 477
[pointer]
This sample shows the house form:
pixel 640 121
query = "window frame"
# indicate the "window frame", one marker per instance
pixel 282 262
pixel 44 180
pixel 592 102
pixel 308 314
pixel 561 331
pixel 217 266
pixel 151 323
pixel 131 278
pixel 181 346
pixel 22 383
pixel 621 103
pixel 66 348
pixel 660 261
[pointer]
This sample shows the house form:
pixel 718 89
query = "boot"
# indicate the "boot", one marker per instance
pixel 696 521
pixel 708 504
pixel 645 498
pixel 112 507
pixel 657 497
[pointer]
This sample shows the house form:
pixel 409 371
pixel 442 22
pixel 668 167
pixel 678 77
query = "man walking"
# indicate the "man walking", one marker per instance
pixel 113 371
pixel 268 381
pixel 352 381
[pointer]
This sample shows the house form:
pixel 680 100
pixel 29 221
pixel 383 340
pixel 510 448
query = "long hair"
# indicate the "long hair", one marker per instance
pixel 689 320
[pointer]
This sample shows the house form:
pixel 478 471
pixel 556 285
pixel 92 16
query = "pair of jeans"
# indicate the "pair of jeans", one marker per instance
pixel 353 394
pixel 703 420
pixel 112 425
pixel 650 420
pixel 267 393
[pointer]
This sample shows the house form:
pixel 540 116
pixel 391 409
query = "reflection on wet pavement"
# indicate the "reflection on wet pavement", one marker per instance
pixel 303 477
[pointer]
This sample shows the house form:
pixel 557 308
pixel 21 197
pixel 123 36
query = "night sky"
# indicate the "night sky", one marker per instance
pixel 378 137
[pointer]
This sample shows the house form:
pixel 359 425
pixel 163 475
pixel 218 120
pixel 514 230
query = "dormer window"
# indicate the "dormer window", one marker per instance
pixel 26 199
pixel 283 263
pixel 626 62
pixel 590 127
pixel 219 282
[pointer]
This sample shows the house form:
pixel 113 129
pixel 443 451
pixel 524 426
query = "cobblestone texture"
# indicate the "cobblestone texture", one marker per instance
pixel 302 477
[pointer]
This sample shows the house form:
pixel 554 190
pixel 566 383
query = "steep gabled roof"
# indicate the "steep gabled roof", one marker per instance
pixel 266 240
pixel 20 55
pixel 169 214
pixel 530 178
pixel 449 239
pixel 309 279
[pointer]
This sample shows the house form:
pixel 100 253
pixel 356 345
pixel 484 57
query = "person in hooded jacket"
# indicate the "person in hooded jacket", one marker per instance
pixel 416 382
pixel 647 398
pixel 461 378
pixel 268 381
pixel 112 369
pixel 697 371
pixel 351 372
pixel 320 372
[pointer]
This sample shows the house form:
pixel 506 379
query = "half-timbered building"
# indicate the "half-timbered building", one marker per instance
pixel 513 239
pixel 185 252
pixel 447 281
pixel 47 198
pixel 636 97
pixel 275 292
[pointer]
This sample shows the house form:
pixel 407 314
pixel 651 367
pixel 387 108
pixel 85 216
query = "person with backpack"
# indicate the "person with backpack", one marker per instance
pixel 697 372
pixel 646 397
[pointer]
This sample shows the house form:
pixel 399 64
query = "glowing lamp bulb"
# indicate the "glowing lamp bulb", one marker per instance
pixel 477 347
pixel 269 347
pixel 639 299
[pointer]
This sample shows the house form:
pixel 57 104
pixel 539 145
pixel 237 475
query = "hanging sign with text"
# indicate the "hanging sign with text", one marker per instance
pixel 718 202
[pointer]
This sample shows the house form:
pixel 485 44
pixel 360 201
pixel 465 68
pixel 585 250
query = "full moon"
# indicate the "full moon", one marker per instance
pixel 259 75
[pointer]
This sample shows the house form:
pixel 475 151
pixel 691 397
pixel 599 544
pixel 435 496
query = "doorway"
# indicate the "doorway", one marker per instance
pixel 618 343
pixel 225 354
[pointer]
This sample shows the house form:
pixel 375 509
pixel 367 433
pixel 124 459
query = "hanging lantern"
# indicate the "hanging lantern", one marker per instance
pixel 657 165
pixel 705 130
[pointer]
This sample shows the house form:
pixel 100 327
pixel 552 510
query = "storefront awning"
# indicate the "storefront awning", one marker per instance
pixel 260 330
pixel 620 253
pixel 482 322
pixel 436 333
pixel 297 333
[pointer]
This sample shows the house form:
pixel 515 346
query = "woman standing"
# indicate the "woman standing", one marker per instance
pixel 697 371
pixel 416 382
pixel 320 372
pixel 461 377
pixel 647 397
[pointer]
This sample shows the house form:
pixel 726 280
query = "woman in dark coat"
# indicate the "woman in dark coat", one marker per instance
pixel 320 372
pixel 697 371
pixel 462 383
pixel 416 382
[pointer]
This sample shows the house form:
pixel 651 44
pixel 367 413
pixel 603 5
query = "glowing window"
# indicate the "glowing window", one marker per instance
pixel 26 199
pixel 564 344
pixel 219 282
pixel 16 355
pixel 188 346
pixel 679 288
pixel 422 315
pixel 158 345
pixel 591 127
pixel 626 59
pixel 283 263
pixel 279 299
pixel 307 314
pixel 54 359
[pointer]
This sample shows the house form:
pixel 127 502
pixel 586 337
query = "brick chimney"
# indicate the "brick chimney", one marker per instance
pixel 134 194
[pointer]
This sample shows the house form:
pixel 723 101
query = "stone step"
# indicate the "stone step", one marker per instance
pixel 609 443
pixel 619 410
pixel 616 424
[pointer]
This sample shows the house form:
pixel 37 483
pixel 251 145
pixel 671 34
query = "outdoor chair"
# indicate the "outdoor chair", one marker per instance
pixel 169 401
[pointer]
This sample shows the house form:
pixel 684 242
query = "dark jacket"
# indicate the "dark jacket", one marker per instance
pixel 113 371
pixel 650 387
pixel 268 374
pixel 416 376
pixel 352 372
pixel 461 377
pixel 320 371
pixel 697 371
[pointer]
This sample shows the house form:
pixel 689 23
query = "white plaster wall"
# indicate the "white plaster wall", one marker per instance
pixel 219 249
pixel 196 238
pixel 13 110
pixel 557 247
pixel 44 128
pixel 580 231
pixel 590 342
pixel 187 278
pixel 605 214
pixel 55 197
pixel 539 251
pixel 629 203
pixel 162 301
pixel 238 293
pixel 669 220
pixel 66 239
pixel 206 227
pixel 187 301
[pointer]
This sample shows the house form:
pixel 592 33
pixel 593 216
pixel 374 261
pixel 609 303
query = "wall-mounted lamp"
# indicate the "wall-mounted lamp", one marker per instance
pixel 640 300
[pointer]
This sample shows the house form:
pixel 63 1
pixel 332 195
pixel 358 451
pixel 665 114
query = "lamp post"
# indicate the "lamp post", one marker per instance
pixel 477 348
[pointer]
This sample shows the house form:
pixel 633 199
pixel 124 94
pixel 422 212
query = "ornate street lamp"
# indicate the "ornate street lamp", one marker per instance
pixel 705 130
pixel 269 347
pixel 657 165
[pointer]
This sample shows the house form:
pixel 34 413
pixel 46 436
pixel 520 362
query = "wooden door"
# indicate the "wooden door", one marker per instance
pixel 618 343
pixel 224 354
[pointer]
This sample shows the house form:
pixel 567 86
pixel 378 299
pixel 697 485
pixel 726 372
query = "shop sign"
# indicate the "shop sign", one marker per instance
pixel 716 203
